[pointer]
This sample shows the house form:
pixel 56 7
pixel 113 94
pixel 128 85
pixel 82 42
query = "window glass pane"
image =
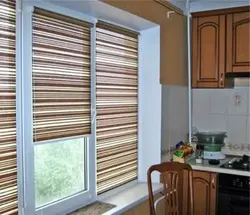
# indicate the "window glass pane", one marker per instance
pixel 59 170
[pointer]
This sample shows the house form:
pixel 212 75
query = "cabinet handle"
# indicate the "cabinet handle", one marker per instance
pixel 213 185
pixel 221 79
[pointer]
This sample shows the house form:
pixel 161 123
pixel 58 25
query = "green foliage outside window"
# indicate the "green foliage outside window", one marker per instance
pixel 59 170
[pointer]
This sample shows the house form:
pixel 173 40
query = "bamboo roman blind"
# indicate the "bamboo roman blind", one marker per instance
pixel 61 76
pixel 116 102
pixel 8 167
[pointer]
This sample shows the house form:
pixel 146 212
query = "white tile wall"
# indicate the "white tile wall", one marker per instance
pixel 242 107
pixel 220 97
pixel 248 128
pixel 237 129
pixel 223 110
pixel 218 121
pixel 248 103
pixel 201 101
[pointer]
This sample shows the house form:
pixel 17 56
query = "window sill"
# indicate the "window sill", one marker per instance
pixel 130 197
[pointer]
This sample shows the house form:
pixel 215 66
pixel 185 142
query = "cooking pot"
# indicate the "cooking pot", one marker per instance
pixel 214 138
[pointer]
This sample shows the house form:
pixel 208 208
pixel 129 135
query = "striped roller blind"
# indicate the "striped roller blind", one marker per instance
pixel 8 168
pixel 116 101
pixel 61 76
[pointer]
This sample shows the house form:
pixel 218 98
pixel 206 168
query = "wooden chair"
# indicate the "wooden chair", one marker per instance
pixel 172 176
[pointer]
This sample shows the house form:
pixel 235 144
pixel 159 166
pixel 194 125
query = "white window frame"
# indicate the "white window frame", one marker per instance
pixel 24 108
pixel 26 201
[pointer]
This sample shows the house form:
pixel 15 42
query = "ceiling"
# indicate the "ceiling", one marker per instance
pixel 202 5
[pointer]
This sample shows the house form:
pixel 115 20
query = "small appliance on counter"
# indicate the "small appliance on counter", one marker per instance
pixel 210 143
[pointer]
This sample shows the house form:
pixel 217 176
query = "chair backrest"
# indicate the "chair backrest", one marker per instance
pixel 171 175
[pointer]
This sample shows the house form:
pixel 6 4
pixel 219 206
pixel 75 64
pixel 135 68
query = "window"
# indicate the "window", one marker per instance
pixel 116 102
pixel 57 109
pixel 8 159
pixel 61 104
pixel 68 70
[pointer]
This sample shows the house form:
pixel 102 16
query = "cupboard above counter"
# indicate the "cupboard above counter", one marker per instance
pixel 220 47
pixel 238 45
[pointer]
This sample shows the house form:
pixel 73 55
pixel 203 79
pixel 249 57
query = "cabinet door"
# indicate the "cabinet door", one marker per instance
pixel 201 182
pixel 143 208
pixel 129 212
pixel 208 52
pixel 238 37
pixel 174 54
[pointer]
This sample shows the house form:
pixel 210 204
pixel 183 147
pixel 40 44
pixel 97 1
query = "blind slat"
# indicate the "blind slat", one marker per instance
pixel 61 76
pixel 8 163
pixel 116 102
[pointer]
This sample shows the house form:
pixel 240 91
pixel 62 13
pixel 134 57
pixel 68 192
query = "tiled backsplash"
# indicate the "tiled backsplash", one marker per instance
pixel 223 110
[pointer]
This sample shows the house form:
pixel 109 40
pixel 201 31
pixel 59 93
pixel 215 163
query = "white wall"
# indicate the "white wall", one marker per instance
pixel 174 116
pixel 149 102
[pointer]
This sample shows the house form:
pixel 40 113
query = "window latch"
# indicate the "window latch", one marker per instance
pixel 93 116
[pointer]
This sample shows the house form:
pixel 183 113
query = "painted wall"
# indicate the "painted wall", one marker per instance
pixel 174 117
pixel 150 92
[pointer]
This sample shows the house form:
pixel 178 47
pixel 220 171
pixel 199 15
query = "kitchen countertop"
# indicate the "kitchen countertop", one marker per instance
pixel 216 168
pixel 130 197
pixel 118 202
pixel 210 168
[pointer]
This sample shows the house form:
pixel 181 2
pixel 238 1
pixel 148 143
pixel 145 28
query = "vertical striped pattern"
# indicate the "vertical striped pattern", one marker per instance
pixel 61 76
pixel 8 168
pixel 116 88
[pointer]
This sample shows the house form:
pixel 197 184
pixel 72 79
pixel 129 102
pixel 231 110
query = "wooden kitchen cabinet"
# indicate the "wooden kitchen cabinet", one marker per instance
pixel 140 209
pixel 220 47
pixel 208 51
pixel 205 186
pixel 238 42
pixel 173 36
